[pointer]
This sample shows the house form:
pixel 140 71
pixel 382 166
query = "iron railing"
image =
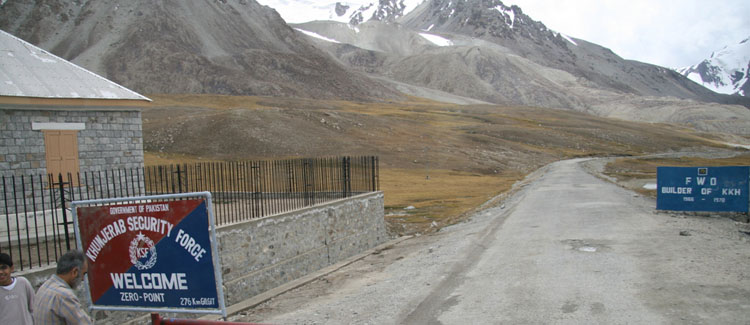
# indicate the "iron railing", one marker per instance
pixel 36 226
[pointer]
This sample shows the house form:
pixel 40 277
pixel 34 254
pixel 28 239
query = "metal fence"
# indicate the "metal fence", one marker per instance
pixel 36 225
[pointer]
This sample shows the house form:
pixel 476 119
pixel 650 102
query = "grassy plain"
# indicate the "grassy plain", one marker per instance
pixel 471 153
pixel 638 170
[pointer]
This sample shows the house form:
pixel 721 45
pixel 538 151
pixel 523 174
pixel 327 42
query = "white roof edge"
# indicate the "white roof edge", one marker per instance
pixel 136 96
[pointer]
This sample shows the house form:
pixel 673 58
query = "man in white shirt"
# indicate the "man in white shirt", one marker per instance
pixel 16 295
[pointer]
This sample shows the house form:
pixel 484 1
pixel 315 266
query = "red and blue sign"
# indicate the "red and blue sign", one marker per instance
pixel 153 255
pixel 712 189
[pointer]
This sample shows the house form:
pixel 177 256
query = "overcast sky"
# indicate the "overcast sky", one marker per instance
pixel 670 33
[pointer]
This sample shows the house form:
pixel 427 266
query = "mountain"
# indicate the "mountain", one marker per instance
pixel 484 50
pixel 217 46
pixel 352 12
pixel 726 71
pixel 469 51
pixel 509 27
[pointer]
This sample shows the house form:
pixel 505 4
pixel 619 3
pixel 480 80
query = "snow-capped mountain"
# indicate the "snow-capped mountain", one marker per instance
pixel 499 30
pixel 457 51
pixel 725 72
pixel 353 12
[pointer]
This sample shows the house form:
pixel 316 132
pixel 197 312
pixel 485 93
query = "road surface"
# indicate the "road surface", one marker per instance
pixel 565 248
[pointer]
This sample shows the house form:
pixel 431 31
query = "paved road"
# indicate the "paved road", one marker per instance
pixel 567 248
pixel 556 257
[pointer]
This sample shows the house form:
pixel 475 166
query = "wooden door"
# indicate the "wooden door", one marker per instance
pixel 61 147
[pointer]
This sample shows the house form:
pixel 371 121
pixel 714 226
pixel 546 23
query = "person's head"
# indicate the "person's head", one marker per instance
pixel 71 267
pixel 6 268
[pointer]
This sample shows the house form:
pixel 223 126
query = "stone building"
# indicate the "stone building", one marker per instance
pixel 56 117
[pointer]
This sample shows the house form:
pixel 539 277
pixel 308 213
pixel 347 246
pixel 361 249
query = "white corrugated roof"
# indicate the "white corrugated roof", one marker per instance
pixel 29 71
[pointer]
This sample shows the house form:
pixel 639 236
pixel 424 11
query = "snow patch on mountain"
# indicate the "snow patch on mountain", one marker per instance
pixel 351 12
pixel 725 72
pixel 316 35
pixel 437 40
pixel 508 12
pixel 568 38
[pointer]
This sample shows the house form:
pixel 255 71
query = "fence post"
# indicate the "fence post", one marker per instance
pixel 306 180
pixel 257 199
pixel 7 213
pixel 179 179
pixel 374 174
pixel 346 170
pixel 64 213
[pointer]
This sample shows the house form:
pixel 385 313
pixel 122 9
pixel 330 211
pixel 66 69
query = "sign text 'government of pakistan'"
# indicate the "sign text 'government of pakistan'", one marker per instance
pixel 149 255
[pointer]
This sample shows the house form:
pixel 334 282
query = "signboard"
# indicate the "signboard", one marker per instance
pixel 703 188
pixel 156 254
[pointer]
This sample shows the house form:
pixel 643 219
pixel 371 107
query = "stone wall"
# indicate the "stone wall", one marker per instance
pixel 109 140
pixel 259 255
pixel 263 254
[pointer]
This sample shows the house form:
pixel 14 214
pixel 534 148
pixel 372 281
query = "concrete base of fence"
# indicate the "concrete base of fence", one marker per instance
pixel 262 254
pixel 270 294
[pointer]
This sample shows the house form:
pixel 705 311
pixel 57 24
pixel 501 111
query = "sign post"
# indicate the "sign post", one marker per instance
pixel 151 253
pixel 714 189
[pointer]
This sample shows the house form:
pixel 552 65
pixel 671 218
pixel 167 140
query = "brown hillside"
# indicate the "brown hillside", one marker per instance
pixel 470 153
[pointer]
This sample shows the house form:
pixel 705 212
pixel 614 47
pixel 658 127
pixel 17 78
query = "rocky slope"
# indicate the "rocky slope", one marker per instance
pixel 220 47
pixel 499 55
pixel 460 52
pixel 509 27
pixel 352 12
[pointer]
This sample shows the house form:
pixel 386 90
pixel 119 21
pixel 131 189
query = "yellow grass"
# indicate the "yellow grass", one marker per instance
pixel 629 169
pixel 463 146
pixel 156 159
pixel 443 197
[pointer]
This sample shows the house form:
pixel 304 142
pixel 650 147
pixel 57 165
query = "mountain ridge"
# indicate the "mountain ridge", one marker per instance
pixel 220 47
pixel 491 20
pixel 459 52
pixel 352 12
pixel 726 71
